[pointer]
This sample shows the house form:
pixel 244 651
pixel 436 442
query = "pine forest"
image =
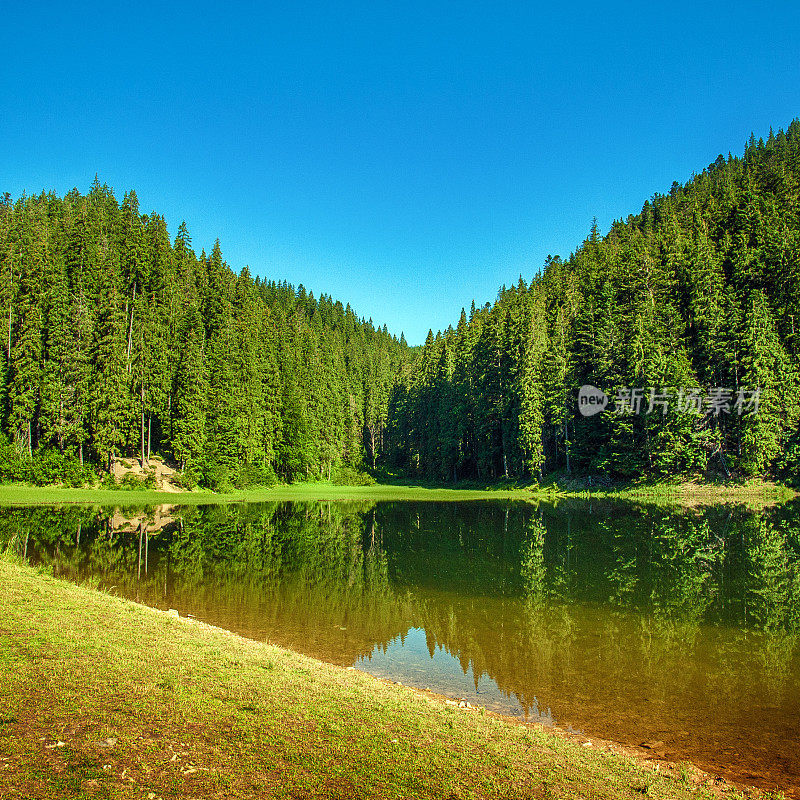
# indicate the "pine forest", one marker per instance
pixel 118 340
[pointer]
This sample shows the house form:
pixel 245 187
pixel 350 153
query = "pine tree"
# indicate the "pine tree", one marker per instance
pixel 191 395
pixel 58 378
pixel 109 396
pixel 764 362
pixel 532 412
pixel 25 359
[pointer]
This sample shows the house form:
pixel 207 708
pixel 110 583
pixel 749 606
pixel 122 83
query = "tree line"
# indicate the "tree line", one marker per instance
pixel 698 294
pixel 118 340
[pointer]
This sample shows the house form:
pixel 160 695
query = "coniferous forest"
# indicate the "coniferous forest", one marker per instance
pixel 117 340
pixel 701 290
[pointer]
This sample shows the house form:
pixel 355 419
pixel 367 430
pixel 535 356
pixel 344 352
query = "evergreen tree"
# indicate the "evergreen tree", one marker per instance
pixel 532 416
pixel 191 393
pixel 765 371
pixel 109 391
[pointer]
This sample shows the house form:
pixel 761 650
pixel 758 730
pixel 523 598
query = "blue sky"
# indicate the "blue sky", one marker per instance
pixel 405 158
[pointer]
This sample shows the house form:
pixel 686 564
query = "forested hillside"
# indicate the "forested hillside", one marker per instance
pixel 115 340
pixel 699 293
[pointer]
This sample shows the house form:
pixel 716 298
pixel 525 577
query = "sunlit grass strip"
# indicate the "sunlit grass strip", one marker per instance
pixel 753 492
pixel 18 494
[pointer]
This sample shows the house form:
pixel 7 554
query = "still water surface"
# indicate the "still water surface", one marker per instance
pixel 674 629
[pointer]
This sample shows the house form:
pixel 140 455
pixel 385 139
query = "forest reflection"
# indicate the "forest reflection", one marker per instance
pixel 629 622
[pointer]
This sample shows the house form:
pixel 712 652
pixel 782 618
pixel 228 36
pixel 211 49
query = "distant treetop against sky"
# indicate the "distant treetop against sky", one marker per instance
pixel 405 158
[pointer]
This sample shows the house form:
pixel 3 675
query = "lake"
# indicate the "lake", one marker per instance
pixel 672 629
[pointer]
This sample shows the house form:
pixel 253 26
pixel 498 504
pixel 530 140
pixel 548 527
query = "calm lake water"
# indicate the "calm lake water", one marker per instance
pixel 674 629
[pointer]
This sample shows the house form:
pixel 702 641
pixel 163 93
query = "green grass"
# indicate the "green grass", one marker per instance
pixel 102 697
pixel 20 494
pixel 753 493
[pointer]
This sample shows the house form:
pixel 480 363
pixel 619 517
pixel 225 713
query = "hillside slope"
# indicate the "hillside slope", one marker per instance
pixel 694 303
pixel 118 341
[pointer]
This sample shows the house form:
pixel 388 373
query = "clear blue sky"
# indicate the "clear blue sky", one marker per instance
pixel 405 157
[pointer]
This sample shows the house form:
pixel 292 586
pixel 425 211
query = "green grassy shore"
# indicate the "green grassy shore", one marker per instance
pixel 751 493
pixel 20 494
pixel 102 697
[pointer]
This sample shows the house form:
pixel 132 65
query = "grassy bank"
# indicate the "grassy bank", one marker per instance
pixel 101 697
pixel 19 494
pixel 751 493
